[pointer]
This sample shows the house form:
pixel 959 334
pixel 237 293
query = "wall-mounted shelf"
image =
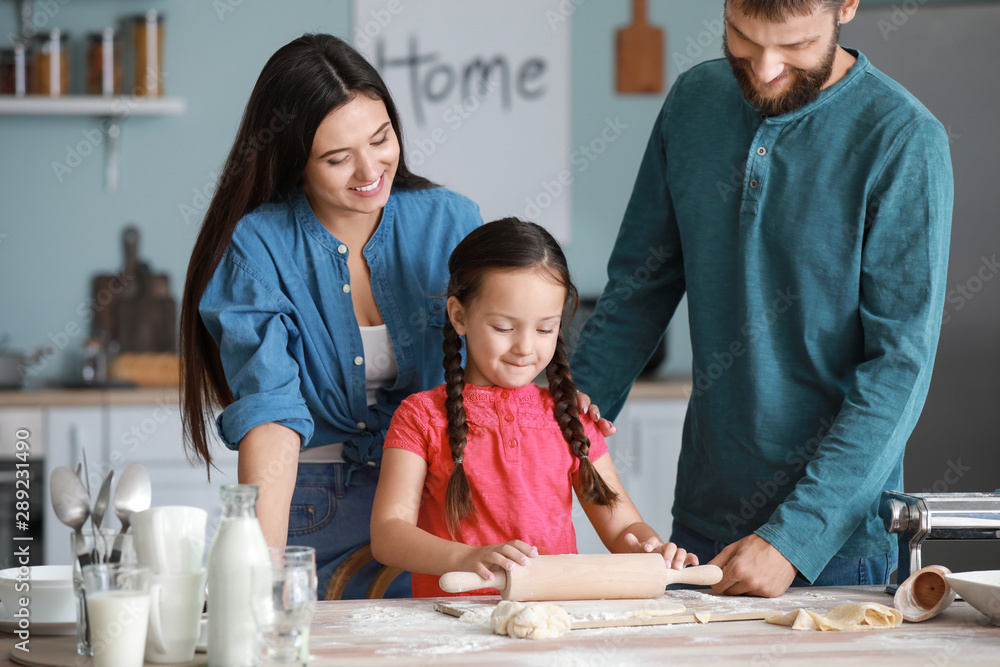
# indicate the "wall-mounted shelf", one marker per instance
pixel 92 105
pixel 112 109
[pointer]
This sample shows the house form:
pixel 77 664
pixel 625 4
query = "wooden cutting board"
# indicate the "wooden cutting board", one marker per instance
pixel 639 54
pixel 110 288
pixel 587 614
pixel 145 313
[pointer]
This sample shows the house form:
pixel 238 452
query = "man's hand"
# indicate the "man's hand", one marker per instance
pixel 752 566
pixel 586 407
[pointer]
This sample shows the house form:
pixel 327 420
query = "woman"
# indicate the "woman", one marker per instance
pixel 311 307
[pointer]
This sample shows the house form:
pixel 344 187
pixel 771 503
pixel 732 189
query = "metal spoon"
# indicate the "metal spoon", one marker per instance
pixel 71 503
pixel 133 494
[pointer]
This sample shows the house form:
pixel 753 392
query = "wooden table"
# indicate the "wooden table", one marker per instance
pixel 410 632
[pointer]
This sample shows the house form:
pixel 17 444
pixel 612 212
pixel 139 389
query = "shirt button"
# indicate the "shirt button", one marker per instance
pixel 504 394
pixel 512 443
pixel 361 425
pixel 346 288
pixel 754 184
pixel 761 151
pixel 509 418
pixel 763 116
pixel 342 248
pixel 358 361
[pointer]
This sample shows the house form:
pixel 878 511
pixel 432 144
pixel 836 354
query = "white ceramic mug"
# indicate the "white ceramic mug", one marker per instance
pixel 170 539
pixel 175 604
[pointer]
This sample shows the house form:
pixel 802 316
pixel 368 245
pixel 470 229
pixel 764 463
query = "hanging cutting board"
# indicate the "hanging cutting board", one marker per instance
pixel 639 54
pixel 145 312
pixel 110 288
pixel 587 614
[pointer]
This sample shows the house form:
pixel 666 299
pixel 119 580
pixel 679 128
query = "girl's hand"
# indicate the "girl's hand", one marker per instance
pixel 483 560
pixel 673 556
pixel 586 407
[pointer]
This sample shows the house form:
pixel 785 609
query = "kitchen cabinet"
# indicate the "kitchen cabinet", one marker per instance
pixel 69 431
pixel 152 435
pixel 14 419
pixel 115 428
pixel 645 450
pixel 22 490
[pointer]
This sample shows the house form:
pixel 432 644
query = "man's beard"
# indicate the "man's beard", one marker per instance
pixel 804 87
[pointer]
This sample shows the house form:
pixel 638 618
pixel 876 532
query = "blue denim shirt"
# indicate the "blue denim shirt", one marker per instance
pixel 813 250
pixel 286 330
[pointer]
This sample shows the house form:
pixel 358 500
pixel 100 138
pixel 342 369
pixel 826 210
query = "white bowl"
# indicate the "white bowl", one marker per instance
pixel 48 589
pixel 980 589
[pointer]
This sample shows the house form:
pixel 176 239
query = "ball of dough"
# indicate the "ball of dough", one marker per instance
pixel 539 621
pixel 503 615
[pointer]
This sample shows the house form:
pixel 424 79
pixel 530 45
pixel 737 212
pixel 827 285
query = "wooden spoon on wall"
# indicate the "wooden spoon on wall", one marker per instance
pixel 639 52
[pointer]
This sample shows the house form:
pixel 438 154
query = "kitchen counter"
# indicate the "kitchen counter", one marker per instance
pixel 666 387
pixel 83 397
pixel 409 632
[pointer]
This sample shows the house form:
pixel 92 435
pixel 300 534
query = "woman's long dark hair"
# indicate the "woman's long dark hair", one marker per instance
pixel 509 244
pixel 302 83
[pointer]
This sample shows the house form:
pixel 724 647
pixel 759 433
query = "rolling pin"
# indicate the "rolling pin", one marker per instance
pixel 584 577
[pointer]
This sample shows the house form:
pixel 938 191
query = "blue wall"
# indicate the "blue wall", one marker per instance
pixel 55 234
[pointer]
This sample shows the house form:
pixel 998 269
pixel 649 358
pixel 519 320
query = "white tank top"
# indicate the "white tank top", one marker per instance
pixel 380 371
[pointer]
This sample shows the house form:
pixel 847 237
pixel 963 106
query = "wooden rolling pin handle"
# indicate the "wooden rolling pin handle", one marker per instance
pixel 460 582
pixel 699 575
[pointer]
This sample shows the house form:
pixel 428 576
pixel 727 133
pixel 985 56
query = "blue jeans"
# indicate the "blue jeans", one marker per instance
pixel 334 518
pixel 865 571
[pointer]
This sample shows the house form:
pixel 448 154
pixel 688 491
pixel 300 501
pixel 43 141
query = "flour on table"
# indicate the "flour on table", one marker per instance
pixel 613 610
pixel 719 603
pixel 479 617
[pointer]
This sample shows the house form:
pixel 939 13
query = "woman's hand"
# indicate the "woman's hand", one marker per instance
pixel 586 407
pixel 483 560
pixel 673 556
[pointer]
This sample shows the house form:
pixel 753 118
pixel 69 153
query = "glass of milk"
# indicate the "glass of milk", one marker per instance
pixel 118 611
pixel 284 615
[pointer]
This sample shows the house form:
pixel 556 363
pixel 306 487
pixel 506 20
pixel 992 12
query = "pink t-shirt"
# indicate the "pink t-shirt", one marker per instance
pixel 519 466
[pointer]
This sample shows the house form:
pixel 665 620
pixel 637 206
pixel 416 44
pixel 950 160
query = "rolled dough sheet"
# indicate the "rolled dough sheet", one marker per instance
pixel 855 616
pixel 612 609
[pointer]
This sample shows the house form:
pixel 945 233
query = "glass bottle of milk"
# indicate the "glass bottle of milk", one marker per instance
pixel 238 545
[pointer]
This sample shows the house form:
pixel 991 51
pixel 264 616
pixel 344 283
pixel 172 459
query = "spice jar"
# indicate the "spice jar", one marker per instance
pixel 104 73
pixel 147 45
pixel 51 64
pixel 15 71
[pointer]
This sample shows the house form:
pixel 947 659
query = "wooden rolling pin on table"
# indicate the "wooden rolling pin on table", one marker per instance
pixel 584 577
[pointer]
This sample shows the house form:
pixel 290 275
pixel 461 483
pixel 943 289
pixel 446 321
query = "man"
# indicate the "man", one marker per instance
pixel 803 201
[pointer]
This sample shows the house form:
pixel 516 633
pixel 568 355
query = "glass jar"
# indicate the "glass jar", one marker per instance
pixel 238 545
pixel 7 85
pixel 147 51
pixel 15 70
pixel 104 67
pixel 51 64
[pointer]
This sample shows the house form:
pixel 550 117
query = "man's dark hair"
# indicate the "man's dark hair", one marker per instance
pixel 778 11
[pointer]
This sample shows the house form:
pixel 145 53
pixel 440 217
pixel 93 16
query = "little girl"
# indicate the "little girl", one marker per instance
pixel 477 473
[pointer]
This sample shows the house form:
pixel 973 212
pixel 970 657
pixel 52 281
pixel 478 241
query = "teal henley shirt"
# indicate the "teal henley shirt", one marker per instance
pixel 813 249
